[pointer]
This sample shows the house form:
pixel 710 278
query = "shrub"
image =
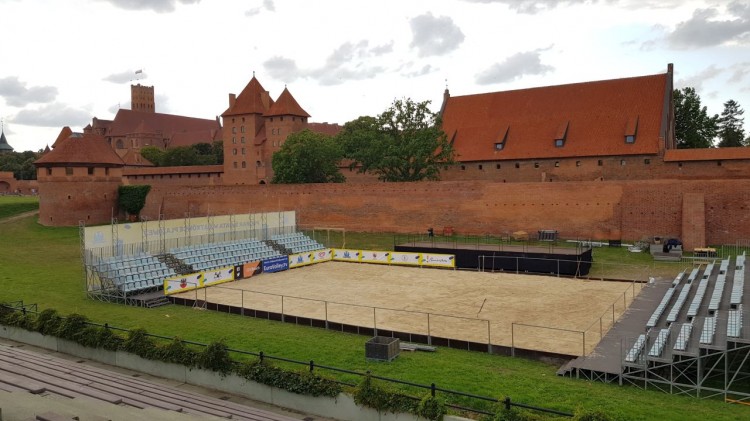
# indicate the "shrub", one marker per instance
pixel 303 383
pixel 71 327
pixel 591 416
pixel 139 343
pixel 432 408
pixel 132 198
pixel 47 322
pixel 215 357
pixel 369 394
pixel 99 337
pixel 176 352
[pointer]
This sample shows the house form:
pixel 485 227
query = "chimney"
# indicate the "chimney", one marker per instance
pixel 670 68
pixel 232 99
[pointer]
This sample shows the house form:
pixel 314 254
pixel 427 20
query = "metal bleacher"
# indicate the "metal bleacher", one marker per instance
pixel 734 322
pixel 718 293
pixel 738 287
pixel 683 337
pixel 658 346
pixel 133 273
pixel 216 255
pixel 709 329
pixel 700 293
pixel 636 349
pixel 664 301
pixel 672 316
pixel 297 242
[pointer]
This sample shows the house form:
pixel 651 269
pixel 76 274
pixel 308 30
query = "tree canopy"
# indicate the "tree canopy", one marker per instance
pixel 307 157
pixel 404 143
pixel 21 164
pixel 731 132
pixel 694 128
pixel 197 154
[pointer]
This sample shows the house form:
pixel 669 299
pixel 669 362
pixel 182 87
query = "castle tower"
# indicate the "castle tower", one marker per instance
pixel 244 135
pixel 142 98
pixel 4 146
pixel 283 118
pixel 78 181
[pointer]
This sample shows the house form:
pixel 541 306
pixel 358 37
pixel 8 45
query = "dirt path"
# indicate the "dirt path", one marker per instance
pixel 19 216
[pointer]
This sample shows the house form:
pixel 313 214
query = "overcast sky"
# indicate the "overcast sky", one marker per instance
pixel 64 62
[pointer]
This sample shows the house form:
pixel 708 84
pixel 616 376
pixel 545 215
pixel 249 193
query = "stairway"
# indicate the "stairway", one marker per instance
pixel 277 247
pixel 176 264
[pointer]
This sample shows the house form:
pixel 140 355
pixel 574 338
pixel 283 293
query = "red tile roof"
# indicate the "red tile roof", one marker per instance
pixel 286 105
pixel 64 134
pixel 129 121
pixel 133 158
pixel 593 116
pixel 249 101
pixel 88 149
pixel 191 138
pixel 330 129
pixel 709 154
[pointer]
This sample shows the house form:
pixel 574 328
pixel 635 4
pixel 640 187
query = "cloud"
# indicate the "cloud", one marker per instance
pixel 532 6
pixel 123 77
pixel 17 94
pixel 52 115
pixel 739 72
pixel 158 6
pixel 514 67
pixel 435 36
pixel 426 69
pixel 703 29
pixel 696 81
pixel 349 61
pixel 267 5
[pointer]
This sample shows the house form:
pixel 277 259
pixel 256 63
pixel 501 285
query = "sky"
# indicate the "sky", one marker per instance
pixel 64 62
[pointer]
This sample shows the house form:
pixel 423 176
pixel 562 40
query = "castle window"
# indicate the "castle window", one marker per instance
pixel 243 119
pixel 234 139
pixel 622 162
pixel 119 144
pixel 559 143
pixel 242 129
pixel 232 119
pixel 480 166
pixel 234 151
pixel 497 166
pixel 536 165
pixel 463 167
pixel 258 163
pixel 235 164
pixel 600 162
pixel 631 129
pixel 281 118
pixel 271 119
pixel 49 171
pixel 557 164
pixel 244 164
pixel 679 164
pixel 234 130
pixel 242 139
pixel 499 146
pixel 91 170
pixel 106 171
pixel 718 163
pixel 518 165
pixel 647 161
pixel 578 163
pixel 243 151
pixel 68 171
pixel 630 138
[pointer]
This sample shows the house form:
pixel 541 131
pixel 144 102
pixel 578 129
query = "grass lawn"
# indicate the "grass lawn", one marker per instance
pixel 42 265
pixel 13 205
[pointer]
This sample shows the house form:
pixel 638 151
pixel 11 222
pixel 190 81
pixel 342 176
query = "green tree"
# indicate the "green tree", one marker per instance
pixel 404 143
pixel 693 126
pixel 21 164
pixel 153 154
pixel 132 198
pixel 217 149
pixel 307 157
pixel 731 132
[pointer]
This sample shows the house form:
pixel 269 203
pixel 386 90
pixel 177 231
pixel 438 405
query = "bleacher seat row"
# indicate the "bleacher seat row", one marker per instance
pixel 134 272
pixel 297 242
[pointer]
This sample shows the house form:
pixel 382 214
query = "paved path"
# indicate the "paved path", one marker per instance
pixel 19 216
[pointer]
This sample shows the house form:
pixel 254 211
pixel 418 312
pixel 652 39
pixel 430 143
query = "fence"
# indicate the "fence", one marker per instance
pixel 499 243
pixel 312 367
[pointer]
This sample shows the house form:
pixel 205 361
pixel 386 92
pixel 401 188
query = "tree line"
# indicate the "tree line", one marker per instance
pixel 695 128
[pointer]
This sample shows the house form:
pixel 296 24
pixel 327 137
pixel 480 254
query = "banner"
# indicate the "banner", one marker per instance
pixel 324 255
pixel 439 260
pixel 375 256
pixel 301 259
pixel 218 276
pixel 248 270
pixel 346 255
pixel 182 283
pixel 277 264
pixel 402 258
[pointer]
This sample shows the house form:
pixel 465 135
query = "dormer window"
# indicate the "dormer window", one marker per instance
pixel 559 143
pixel 499 146
pixel 561 135
pixel 502 137
pixel 630 138
pixel 631 129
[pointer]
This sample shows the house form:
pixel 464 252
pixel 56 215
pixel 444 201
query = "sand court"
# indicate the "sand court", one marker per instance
pixel 527 311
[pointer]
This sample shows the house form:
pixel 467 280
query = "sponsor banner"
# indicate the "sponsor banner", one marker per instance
pixel 182 283
pixel 239 272
pixel 409 259
pixel 439 260
pixel 301 259
pixel 346 255
pixel 369 256
pixel 324 255
pixel 250 269
pixel 218 276
pixel 277 264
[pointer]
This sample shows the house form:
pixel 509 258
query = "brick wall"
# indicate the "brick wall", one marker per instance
pixel 595 209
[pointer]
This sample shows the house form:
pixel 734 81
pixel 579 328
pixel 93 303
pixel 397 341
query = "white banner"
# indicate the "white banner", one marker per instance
pixel 402 258
pixel 347 255
pixel 440 260
pixel 218 276
pixel 182 283
pixel 369 256
pixel 323 255
pixel 300 259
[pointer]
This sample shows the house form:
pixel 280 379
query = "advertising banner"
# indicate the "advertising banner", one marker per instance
pixel 346 255
pixel 218 276
pixel 439 260
pixel 402 258
pixel 324 255
pixel 369 256
pixel 300 259
pixel 182 283
pixel 249 269
pixel 277 264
